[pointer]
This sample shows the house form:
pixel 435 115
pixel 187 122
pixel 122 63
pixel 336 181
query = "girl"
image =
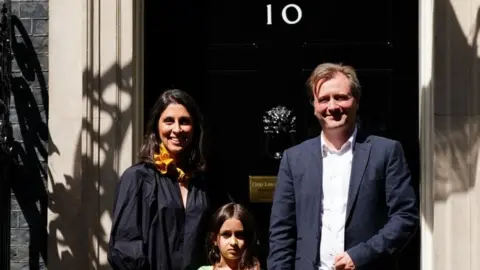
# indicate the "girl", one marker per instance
pixel 232 240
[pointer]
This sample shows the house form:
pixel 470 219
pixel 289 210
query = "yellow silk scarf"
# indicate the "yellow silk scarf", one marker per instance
pixel 166 165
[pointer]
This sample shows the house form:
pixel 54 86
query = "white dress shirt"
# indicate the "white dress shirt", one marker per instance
pixel 337 166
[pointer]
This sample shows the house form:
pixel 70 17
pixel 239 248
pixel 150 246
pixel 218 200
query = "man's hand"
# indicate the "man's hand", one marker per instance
pixel 344 262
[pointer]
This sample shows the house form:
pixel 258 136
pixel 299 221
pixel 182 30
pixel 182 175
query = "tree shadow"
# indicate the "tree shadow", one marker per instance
pixel 82 244
pixel 457 103
pixel 30 130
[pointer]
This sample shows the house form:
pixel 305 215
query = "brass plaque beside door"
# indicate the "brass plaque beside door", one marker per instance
pixel 261 188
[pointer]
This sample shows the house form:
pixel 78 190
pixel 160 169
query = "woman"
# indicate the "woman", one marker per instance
pixel 163 202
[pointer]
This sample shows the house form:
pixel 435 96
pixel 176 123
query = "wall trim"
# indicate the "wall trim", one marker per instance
pixel 138 75
pixel 426 131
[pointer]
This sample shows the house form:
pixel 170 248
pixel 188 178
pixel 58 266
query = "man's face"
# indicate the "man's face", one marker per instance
pixel 335 107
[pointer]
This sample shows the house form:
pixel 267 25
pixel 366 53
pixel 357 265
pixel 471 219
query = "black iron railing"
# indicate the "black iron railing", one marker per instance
pixel 6 157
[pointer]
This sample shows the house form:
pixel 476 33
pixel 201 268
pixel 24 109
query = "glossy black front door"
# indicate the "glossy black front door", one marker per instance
pixel 240 59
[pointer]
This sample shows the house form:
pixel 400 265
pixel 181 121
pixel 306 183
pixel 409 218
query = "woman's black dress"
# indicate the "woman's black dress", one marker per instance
pixel 151 228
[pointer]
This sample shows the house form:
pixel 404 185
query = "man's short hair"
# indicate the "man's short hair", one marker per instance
pixel 327 71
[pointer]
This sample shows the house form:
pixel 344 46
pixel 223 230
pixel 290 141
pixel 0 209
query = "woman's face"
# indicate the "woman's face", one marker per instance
pixel 175 128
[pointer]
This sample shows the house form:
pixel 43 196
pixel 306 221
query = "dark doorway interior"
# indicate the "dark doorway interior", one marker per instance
pixel 238 66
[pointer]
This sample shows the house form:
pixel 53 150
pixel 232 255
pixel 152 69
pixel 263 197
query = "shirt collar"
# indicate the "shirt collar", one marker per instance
pixel 346 146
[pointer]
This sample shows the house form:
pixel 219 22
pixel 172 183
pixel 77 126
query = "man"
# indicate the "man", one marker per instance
pixel 343 200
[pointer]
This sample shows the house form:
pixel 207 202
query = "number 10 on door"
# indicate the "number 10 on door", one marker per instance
pixel 285 18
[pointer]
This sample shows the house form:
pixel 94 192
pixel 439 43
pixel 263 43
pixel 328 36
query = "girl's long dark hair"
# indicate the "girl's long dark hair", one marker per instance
pixel 248 259
pixel 195 153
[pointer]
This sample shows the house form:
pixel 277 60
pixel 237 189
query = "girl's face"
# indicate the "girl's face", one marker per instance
pixel 230 240
pixel 175 128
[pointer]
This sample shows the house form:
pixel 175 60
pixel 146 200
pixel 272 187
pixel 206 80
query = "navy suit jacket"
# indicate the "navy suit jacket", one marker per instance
pixel 382 210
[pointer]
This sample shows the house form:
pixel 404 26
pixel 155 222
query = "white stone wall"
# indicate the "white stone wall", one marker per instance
pixel 456 91
pixel 94 121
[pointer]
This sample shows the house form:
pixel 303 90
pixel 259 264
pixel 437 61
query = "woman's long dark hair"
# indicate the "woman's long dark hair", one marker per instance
pixel 248 259
pixel 195 153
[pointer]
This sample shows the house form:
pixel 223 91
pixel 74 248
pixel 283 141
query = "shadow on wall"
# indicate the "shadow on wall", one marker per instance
pixel 457 103
pixel 30 129
pixel 77 246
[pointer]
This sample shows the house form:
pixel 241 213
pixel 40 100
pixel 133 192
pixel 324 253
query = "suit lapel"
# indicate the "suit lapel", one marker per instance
pixel 317 173
pixel 359 164
pixel 316 181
